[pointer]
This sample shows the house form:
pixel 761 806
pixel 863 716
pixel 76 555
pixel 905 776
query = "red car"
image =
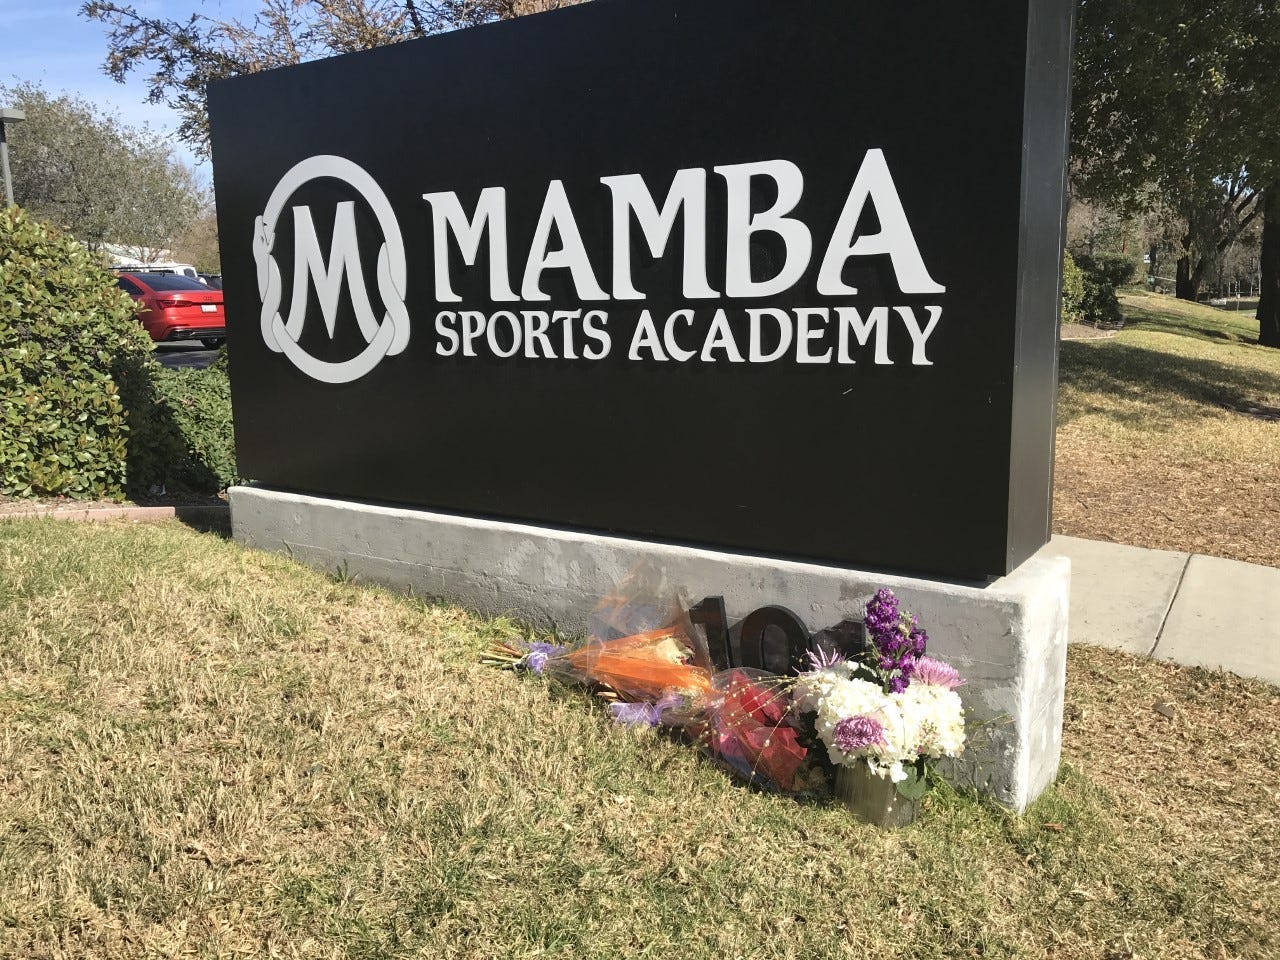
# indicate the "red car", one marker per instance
pixel 174 308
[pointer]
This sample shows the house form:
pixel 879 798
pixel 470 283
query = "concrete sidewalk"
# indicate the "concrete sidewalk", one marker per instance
pixel 1189 608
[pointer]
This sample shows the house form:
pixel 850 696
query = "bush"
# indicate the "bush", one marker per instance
pixel 181 437
pixel 1099 306
pixel 85 410
pixel 198 403
pixel 68 340
pixel 1099 275
pixel 1116 269
pixel 1072 291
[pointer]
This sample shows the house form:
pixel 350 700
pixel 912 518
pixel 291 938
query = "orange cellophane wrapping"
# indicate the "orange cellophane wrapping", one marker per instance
pixel 642 666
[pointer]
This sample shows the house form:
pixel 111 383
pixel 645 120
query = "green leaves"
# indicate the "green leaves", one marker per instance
pixel 64 328
pixel 91 174
pixel 85 410
pixel 917 783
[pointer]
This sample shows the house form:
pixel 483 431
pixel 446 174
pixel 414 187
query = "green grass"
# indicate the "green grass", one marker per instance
pixel 1169 433
pixel 213 752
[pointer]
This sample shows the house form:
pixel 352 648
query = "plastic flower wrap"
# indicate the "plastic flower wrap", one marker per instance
pixel 747 727
pixel 640 646
pixel 643 666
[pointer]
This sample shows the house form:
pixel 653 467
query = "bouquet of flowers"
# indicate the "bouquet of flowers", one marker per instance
pixel 893 709
pixel 890 708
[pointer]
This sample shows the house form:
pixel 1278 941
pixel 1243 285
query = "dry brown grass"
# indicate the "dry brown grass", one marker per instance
pixel 1169 434
pixel 211 752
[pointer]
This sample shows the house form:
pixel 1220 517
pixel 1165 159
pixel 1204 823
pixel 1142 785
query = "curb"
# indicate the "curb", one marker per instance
pixel 133 514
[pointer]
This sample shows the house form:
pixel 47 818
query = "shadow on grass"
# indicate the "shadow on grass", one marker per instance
pixel 1185 320
pixel 1178 388
pixel 213 520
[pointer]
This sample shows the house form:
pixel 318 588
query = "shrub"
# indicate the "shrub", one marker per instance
pixel 1072 291
pixel 198 403
pixel 1100 274
pixel 1116 269
pixel 1099 305
pixel 68 340
pixel 181 437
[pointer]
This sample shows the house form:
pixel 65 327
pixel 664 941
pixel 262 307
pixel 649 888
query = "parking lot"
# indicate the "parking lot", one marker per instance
pixel 185 355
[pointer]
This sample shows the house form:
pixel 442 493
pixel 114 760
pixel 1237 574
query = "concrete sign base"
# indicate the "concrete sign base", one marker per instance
pixel 1008 638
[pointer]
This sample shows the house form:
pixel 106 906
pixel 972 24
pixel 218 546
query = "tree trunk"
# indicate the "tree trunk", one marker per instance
pixel 1185 283
pixel 1197 277
pixel 1269 304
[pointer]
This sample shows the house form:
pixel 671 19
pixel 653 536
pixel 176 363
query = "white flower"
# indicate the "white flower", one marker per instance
pixel 922 720
pixel 816 685
pixel 938 716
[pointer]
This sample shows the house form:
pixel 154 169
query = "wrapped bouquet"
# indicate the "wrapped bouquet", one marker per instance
pixel 885 712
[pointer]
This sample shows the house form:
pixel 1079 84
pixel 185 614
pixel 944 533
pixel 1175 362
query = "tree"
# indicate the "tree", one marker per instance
pixel 185 55
pixel 197 244
pixel 1180 97
pixel 1257 76
pixel 93 176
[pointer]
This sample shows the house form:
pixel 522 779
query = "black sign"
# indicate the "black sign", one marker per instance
pixel 778 275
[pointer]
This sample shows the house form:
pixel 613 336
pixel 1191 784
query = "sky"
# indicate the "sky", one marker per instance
pixel 49 43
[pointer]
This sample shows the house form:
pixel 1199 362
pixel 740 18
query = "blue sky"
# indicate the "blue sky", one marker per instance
pixel 49 43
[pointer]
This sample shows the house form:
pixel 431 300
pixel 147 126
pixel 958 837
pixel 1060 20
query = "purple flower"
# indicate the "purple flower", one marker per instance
pixel 636 714
pixel 857 733
pixel 881 617
pixel 642 713
pixel 536 659
pixel 823 659
pixel 936 673
pixel 896 639
pixel 918 639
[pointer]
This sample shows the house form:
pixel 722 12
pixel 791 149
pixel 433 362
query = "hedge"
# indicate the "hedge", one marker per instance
pixel 86 412
pixel 68 339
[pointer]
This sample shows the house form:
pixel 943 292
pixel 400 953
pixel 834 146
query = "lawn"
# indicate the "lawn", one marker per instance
pixel 212 752
pixel 1169 434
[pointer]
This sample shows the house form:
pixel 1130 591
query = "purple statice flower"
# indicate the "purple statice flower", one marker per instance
pixel 936 673
pixel 536 659
pixel 857 733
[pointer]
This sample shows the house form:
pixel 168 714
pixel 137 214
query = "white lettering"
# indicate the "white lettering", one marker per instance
pixel 571 255
pixel 472 327
pixel 720 336
pixel 536 323
pixel 491 334
pixel 566 318
pixel 646 337
pixel 805 335
pixel 919 337
pixel 741 223
pixel 877 321
pixel 444 329
pixel 447 215
pixel 875 184
pixel 669 336
pixel 688 190
pixel 756 347
pixel 344 260
pixel 599 335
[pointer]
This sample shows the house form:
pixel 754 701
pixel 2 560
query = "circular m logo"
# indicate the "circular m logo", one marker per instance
pixel 386 336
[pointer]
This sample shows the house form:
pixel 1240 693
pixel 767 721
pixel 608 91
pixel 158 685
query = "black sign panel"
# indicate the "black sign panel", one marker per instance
pixel 778 276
